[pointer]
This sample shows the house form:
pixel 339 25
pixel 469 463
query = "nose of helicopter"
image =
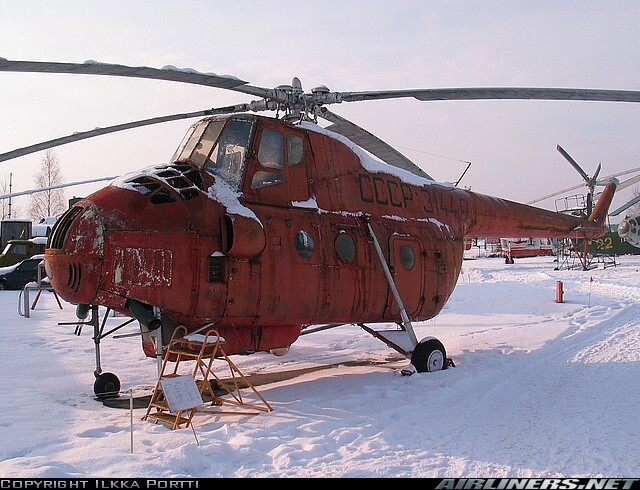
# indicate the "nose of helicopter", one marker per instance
pixel 73 258
pixel 623 228
pixel 124 244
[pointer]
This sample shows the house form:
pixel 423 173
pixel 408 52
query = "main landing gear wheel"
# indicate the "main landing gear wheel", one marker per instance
pixel 107 385
pixel 429 355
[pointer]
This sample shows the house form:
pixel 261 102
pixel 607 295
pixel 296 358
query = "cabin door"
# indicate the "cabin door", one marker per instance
pixel 406 264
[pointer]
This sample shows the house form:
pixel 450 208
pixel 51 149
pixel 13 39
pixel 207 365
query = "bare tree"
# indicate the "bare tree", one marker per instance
pixel 50 202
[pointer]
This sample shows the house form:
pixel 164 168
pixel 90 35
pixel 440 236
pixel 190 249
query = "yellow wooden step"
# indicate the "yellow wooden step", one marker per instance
pixel 162 404
pixel 169 418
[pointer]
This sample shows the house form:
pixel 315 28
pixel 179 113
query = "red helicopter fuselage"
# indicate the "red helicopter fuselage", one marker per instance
pixel 260 248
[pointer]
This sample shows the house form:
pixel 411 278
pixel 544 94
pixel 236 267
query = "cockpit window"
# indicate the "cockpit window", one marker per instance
pixel 271 153
pixel 202 150
pixel 228 156
pixel 189 142
pixel 295 149
pixel 221 154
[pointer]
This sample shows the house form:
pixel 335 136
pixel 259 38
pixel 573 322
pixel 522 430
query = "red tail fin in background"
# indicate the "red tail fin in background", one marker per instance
pixel 599 213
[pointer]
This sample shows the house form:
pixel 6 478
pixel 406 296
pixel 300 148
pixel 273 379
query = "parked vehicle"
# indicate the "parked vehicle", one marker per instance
pixel 44 226
pixel 18 275
pixel 18 250
pixel 526 247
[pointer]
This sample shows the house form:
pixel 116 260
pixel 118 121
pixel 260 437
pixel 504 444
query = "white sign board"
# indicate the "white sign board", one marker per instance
pixel 181 393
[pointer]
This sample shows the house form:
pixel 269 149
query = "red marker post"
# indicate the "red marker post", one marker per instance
pixel 559 292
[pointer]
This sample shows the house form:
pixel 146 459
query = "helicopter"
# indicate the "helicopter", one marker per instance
pixel 617 240
pixel 629 230
pixel 266 228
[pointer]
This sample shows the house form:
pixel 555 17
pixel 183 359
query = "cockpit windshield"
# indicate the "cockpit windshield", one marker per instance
pixel 220 154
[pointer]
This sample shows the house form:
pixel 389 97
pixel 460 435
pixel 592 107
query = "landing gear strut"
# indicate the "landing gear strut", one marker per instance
pixel 427 355
pixel 106 385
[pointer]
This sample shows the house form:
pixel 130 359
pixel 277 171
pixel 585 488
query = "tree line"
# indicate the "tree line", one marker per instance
pixel 41 203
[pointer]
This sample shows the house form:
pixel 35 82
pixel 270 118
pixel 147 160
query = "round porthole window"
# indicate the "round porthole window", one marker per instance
pixel 305 244
pixel 345 247
pixel 407 257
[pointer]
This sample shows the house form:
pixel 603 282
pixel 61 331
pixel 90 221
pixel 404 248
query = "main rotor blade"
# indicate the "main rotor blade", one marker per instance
pixel 168 73
pixel 370 142
pixel 488 93
pixel 548 196
pixel 95 68
pixel 603 181
pixel 625 183
pixel 573 163
pixel 171 73
pixel 53 187
pixel 115 128
pixel 625 206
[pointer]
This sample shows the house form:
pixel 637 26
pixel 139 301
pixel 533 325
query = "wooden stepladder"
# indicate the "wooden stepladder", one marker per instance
pixel 179 394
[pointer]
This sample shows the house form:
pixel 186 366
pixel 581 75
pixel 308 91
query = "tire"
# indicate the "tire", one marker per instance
pixel 429 356
pixel 107 385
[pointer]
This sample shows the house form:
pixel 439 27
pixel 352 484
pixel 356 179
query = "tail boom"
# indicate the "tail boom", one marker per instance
pixel 497 218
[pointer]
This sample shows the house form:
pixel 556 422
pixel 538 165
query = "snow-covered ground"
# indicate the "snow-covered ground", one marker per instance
pixel 540 388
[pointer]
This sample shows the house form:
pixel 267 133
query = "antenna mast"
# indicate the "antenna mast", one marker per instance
pixel 10 181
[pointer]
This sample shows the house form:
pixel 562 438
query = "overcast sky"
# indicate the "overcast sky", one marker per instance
pixel 348 46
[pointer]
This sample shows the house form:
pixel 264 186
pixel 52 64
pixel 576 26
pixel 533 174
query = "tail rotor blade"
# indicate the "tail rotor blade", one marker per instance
pixel 595 175
pixel 574 164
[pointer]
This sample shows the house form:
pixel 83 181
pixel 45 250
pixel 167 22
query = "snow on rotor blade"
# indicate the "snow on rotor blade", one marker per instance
pixel 168 73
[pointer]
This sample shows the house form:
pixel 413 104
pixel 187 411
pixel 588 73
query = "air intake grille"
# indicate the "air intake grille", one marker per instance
pixel 182 178
pixel 61 228
pixel 75 276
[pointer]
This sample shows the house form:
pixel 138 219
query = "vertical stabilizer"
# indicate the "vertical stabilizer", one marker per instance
pixel 599 214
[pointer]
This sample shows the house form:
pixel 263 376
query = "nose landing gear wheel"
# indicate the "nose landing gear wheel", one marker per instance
pixel 107 385
pixel 429 355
